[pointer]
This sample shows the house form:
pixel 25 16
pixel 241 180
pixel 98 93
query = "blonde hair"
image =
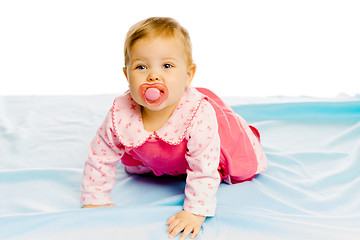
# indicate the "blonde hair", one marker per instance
pixel 154 27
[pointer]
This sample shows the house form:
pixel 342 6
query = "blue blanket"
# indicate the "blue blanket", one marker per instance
pixel 311 189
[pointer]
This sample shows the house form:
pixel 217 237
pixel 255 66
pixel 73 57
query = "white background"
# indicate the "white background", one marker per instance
pixel 242 48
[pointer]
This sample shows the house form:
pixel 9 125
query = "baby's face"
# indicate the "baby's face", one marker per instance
pixel 162 61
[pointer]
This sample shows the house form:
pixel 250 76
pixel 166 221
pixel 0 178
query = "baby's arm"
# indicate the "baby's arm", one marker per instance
pixel 203 158
pixel 99 174
pixel 203 178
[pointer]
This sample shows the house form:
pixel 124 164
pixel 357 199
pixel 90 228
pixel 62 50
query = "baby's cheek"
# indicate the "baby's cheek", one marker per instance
pixel 135 96
pixel 176 92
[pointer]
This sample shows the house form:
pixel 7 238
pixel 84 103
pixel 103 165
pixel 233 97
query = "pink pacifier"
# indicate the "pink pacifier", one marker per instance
pixel 153 94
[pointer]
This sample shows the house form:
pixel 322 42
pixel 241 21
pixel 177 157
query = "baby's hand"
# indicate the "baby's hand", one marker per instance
pixel 184 221
pixel 94 206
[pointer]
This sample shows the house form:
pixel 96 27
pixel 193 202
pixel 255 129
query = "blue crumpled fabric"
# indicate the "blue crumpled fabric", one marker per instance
pixel 311 189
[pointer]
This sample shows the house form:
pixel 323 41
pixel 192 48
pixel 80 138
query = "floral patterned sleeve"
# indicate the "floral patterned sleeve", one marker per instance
pixel 105 151
pixel 203 157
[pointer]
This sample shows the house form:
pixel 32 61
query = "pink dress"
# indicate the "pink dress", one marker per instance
pixel 203 138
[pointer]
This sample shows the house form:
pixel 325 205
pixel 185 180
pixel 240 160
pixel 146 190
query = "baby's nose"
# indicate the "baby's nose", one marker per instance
pixel 153 77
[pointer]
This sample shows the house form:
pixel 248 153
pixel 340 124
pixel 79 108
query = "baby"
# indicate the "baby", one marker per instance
pixel 162 125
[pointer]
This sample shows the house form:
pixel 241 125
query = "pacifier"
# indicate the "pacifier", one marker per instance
pixel 153 94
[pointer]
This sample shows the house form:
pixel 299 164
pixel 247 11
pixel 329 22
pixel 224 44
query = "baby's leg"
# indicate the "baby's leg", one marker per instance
pixel 134 166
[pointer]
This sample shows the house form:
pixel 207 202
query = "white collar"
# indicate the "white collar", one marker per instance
pixel 129 128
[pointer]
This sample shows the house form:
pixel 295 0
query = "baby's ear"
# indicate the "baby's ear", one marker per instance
pixel 125 73
pixel 190 74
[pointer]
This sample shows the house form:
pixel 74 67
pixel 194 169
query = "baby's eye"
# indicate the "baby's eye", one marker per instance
pixel 140 67
pixel 167 65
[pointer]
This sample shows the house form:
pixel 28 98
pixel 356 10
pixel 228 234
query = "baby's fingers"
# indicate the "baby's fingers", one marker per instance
pixel 188 229
pixel 172 218
pixel 172 225
pixel 196 232
pixel 175 229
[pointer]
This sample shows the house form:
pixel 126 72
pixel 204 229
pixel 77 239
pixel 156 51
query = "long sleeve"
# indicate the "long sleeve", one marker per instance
pixel 105 151
pixel 203 157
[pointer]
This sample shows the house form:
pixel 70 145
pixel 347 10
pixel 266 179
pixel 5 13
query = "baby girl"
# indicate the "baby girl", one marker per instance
pixel 162 125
